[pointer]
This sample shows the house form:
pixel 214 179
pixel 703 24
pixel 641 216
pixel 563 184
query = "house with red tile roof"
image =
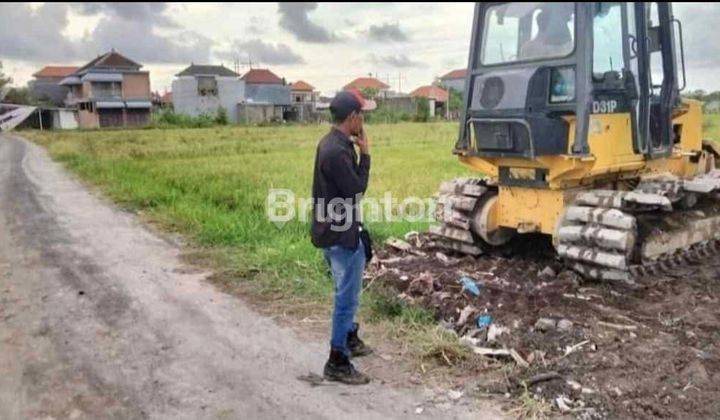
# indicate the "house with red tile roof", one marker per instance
pixel 454 80
pixel 264 86
pixel 110 91
pixel 431 92
pixel 55 72
pixel 267 97
pixel 369 83
pixel 303 92
pixel 437 97
pixel 262 77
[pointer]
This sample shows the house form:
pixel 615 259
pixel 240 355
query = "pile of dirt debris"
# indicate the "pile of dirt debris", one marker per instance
pixel 591 349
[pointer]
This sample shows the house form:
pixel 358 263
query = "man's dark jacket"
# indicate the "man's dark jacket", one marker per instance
pixel 338 174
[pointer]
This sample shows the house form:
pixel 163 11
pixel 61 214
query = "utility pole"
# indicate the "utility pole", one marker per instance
pixel 236 64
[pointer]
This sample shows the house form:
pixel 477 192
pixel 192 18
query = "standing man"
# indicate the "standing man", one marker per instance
pixel 339 181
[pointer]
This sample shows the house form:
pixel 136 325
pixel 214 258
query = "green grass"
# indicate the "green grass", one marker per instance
pixel 711 127
pixel 211 184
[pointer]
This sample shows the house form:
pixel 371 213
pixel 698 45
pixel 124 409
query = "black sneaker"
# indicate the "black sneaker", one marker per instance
pixel 338 368
pixel 357 347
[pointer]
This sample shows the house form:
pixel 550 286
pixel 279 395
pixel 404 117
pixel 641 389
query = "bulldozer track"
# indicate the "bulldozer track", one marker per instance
pixel 659 226
pixel 456 204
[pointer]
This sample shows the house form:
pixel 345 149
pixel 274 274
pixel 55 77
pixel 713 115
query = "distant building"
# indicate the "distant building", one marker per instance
pixel 46 88
pixel 454 80
pixel 110 91
pixel 437 98
pixel 205 89
pixel 303 92
pixel 267 97
pixel 369 83
pixel 305 100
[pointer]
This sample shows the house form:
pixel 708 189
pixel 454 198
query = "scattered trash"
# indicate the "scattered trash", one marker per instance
pixel 455 395
pixel 470 285
pixel 484 321
pixel 547 272
pixel 465 314
pixel 445 259
pixel 404 246
pixel 438 298
pixel 564 325
pixel 393 260
pixel 572 349
pixel 419 410
pixel 576 386
pixel 412 234
pixel 469 341
pixel 399 244
pixel 563 404
pixel 495 331
pixel 576 296
pixel 592 333
pixel 422 285
pixel 484 351
pixel 617 326
pixel 545 324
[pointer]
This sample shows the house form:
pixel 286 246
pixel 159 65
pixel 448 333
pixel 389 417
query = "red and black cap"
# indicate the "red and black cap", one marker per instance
pixel 349 101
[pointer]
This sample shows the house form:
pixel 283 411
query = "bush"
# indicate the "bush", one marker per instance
pixel 167 118
pixel 221 118
pixel 387 115
pixel 423 110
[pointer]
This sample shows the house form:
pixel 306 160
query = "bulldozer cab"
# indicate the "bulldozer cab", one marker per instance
pixel 534 67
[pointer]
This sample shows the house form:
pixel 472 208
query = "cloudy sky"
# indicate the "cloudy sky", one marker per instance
pixel 325 44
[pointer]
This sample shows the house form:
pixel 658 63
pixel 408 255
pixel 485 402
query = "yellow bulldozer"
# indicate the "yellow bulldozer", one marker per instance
pixel 573 113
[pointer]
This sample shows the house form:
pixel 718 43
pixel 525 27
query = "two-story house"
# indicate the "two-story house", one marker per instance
pixel 205 89
pixel 110 91
pixel 303 93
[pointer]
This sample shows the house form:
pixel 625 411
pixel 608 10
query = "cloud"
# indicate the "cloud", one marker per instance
pixel 129 28
pixel 262 52
pixel 255 26
pixel 700 50
pixel 400 61
pixel 294 19
pixel 145 12
pixel 136 39
pixel 387 32
pixel 24 39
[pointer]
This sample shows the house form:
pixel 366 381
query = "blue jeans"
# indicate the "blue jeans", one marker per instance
pixel 347 267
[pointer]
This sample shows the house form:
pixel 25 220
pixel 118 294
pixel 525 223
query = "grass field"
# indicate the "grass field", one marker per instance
pixel 211 184
pixel 711 127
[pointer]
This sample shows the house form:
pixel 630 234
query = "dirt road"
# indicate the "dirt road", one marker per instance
pixel 99 318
